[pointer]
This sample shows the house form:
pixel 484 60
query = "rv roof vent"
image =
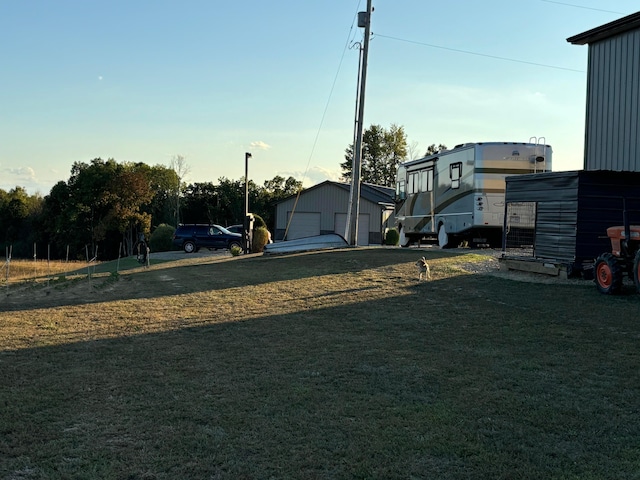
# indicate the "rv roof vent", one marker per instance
pixel 458 146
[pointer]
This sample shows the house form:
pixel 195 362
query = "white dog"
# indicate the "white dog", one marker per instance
pixel 423 268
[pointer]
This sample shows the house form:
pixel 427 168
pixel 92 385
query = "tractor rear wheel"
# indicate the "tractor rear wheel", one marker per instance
pixel 608 274
pixel 636 271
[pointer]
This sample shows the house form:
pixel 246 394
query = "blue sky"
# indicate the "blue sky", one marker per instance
pixel 141 80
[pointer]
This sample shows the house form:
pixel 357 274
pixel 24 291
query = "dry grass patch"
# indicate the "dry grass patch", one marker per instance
pixel 327 365
pixel 23 270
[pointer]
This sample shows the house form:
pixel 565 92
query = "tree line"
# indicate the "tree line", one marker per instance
pixel 105 205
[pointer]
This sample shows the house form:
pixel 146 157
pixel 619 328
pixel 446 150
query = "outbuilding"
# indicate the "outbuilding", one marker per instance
pixel 322 209
pixel 612 130
pixel 562 217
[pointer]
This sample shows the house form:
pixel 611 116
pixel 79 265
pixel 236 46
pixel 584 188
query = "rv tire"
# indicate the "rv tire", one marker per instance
pixel 404 240
pixel 443 237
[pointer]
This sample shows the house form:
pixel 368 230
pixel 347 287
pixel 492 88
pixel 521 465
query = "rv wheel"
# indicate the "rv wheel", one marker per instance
pixel 443 237
pixel 404 240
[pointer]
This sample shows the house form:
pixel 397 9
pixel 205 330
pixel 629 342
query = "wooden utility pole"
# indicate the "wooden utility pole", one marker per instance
pixel 364 20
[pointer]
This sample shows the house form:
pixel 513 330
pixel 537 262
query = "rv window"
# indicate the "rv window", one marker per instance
pixel 426 183
pixel 414 183
pixel 455 172
pixel 400 190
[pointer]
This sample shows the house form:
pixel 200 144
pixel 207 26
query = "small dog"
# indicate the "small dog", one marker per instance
pixel 423 268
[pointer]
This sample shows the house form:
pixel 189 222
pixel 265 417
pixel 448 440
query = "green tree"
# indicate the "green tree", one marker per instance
pixel 19 214
pixel 432 149
pixel 164 183
pixel 272 191
pixel 382 151
pixel 224 203
pixel 126 197
pixel 200 204
pixel 104 202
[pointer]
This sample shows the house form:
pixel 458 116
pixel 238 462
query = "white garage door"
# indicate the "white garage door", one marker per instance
pixel 304 224
pixel 363 227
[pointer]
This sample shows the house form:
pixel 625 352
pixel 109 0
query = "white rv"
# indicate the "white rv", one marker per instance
pixel 458 194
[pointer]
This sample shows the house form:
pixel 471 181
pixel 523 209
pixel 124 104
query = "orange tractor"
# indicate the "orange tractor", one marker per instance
pixel 624 258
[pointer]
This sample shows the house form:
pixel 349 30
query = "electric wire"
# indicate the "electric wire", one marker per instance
pixel 324 114
pixel 582 6
pixel 468 52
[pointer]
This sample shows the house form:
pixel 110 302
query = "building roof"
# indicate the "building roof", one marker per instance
pixel 630 22
pixel 374 193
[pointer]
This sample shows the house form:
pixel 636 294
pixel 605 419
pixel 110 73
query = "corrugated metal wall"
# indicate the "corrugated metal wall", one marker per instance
pixel 328 199
pixel 613 104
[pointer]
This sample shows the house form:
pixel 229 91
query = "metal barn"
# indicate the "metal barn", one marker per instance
pixel 612 130
pixel 322 209
pixel 561 218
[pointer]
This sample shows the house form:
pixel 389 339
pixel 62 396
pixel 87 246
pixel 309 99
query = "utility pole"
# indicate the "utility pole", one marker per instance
pixel 364 20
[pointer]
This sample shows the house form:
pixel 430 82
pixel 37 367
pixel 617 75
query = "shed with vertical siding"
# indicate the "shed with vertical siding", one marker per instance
pixel 570 213
pixel 612 130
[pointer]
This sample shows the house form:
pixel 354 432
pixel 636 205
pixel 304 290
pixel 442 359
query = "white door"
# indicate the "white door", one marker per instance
pixel 304 224
pixel 363 227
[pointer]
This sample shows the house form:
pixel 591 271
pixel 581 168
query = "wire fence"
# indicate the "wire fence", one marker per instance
pixel 44 269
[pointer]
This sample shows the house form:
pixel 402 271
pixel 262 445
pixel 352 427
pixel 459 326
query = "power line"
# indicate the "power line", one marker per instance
pixel 581 6
pixel 333 85
pixel 324 114
pixel 468 52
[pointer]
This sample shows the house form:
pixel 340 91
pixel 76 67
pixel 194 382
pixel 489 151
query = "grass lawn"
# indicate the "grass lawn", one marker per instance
pixel 327 365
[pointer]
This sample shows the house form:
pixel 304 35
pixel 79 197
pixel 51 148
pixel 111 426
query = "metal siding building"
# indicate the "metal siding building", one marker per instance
pixel 612 130
pixel 322 209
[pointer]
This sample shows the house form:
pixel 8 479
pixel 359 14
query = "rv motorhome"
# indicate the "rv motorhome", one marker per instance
pixel 456 195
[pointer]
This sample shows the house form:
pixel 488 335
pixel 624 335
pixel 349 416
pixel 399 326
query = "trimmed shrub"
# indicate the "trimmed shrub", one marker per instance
pixel 392 237
pixel 258 221
pixel 260 239
pixel 235 251
pixel 162 238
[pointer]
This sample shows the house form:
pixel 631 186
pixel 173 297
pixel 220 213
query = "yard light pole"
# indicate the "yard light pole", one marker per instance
pixel 245 222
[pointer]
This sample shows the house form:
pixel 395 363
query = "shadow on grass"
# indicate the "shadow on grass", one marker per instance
pixel 460 378
pixel 213 273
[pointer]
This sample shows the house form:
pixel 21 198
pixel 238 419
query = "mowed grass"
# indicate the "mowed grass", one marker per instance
pixel 327 365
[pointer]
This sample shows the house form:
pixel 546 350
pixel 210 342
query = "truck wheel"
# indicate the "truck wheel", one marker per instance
pixel 189 247
pixel 636 271
pixel 608 274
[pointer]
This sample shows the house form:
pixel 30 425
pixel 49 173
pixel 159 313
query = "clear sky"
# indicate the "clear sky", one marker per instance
pixel 142 80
